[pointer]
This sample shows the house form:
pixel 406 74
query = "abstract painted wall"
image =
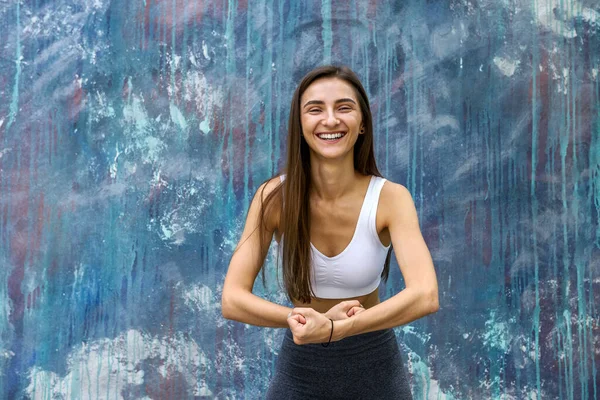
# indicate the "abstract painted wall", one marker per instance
pixel 134 133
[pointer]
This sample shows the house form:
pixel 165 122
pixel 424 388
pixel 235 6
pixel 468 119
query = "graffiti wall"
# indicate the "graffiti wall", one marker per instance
pixel 133 135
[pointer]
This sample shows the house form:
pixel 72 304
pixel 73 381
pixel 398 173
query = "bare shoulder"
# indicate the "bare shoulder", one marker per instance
pixel 269 186
pixel 393 192
pixel 396 202
pixel 273 206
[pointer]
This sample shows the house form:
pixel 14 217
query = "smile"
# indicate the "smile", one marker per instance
pixel 331 137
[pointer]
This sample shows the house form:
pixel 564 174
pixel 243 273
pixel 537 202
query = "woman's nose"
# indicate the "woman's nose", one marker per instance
pixel 331 120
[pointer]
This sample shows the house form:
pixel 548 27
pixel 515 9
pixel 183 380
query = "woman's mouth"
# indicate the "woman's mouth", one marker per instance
pixel 332 137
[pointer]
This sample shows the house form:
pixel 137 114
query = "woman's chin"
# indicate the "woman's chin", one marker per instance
pixel 332 154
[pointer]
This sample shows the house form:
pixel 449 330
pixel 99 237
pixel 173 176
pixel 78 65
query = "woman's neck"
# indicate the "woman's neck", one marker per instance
pixel 332 179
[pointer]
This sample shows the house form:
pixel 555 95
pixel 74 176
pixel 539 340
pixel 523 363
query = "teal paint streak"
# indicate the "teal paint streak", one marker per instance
pixel 414 136
pixel 249 47
pixel 534 215
pixel 173 44
pixel 185 40
pixel 6 330
pixel 230 67
pixel 579 254
pixel 355 34
pixel 278 131
pixel 388 101
pixel 14 104
pixel 326 32
pixel 595 193
pixel 269 65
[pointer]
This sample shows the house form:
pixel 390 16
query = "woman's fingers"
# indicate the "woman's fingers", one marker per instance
pixel 355 310
pixel 342 309
pixel 348 304
pixel 301 310
pixel 299 314
pixel 309 326
pixel 296 321
pixel 351 305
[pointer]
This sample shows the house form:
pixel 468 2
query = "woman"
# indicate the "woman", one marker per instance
pixel 335 219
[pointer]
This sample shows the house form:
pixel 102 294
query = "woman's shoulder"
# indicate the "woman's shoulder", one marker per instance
pixel 394 190
pixel 270 185
pixel 271 201
pixel 394 196
pixel 392 187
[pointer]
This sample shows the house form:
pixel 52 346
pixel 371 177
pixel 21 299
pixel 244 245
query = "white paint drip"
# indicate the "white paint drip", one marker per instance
pixel 113 166
pixel 4 151
pixel 590 16
pixel 506 66
pixel 177 117
pixel 423 378
pixel 136 114
pixel 200 298
pixel 100 107
pixel 204 126
pixel 106 367
pixel 497 333
pixel 183 220
pixel 558 16
pixel 6 354
pixel 205 50
pixel 138 130
pixel 545 13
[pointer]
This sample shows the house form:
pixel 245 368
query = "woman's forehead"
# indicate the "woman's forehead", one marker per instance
pixel 329 88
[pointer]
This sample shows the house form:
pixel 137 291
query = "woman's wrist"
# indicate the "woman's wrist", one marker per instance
pixel 342 329
pixel 330 316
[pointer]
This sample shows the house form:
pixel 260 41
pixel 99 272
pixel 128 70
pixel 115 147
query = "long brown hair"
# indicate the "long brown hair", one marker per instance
pixel 295 210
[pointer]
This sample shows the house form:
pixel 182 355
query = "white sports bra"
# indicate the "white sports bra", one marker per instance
pixel 356 271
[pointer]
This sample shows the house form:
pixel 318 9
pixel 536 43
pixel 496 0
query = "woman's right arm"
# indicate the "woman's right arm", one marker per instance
pixel 237 301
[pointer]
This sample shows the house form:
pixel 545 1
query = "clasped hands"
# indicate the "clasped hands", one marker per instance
pixel 310 326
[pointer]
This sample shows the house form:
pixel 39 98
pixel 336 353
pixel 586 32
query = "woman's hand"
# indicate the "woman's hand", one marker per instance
pixel 309 326
pixel 344 310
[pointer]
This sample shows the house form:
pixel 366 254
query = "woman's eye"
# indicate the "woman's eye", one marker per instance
pixel 345 108
pixel 313 110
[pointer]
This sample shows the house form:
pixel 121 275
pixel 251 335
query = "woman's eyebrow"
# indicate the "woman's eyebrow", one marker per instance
pixel 344 100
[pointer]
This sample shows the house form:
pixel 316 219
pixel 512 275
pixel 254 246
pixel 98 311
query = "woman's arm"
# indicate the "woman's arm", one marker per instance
pixel 420 297
pixel 237 301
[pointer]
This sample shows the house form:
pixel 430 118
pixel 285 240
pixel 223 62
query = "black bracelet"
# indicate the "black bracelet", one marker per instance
pixel 330 335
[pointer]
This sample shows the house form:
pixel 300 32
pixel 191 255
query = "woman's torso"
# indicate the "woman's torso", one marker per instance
pixel 332 227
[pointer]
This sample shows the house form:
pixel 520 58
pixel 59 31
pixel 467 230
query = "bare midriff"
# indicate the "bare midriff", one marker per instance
pixel 323 305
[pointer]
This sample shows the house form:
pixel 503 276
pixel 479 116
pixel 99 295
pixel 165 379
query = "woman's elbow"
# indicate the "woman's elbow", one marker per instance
pixel 433 301
pixel 428 300
pixel 227 308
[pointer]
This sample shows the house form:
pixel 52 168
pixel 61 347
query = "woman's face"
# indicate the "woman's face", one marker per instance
pixel 331 117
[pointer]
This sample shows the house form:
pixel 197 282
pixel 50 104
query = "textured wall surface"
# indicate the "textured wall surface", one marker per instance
pixel 134 133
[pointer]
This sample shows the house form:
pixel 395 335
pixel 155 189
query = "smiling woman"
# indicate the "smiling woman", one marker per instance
pixel 335 115
pixel 336 220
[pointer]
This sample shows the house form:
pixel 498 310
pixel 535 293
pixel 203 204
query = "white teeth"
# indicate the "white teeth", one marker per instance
pixel 331 136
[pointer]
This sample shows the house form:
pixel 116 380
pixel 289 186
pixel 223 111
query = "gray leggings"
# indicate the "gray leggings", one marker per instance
pixel 366 366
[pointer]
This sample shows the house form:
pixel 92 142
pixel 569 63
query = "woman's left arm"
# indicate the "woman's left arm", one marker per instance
pixel 420 297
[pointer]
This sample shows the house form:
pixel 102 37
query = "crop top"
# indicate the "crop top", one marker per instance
pixel 356 271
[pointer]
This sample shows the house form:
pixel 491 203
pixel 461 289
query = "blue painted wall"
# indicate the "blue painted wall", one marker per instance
pixel 134 133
